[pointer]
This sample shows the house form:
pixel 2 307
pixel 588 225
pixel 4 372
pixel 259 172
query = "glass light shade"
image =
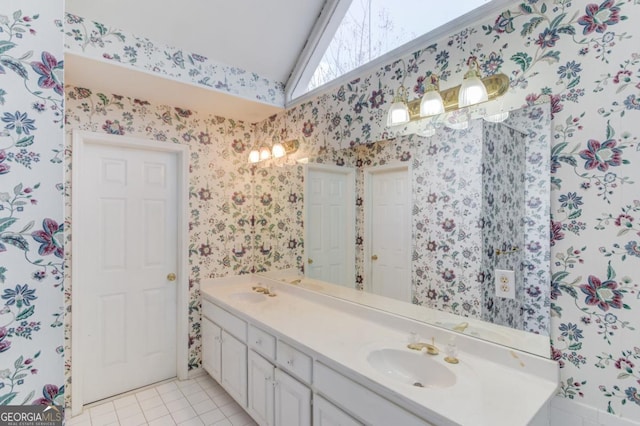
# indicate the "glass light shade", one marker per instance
pixel 278 151
pixel 431 103
pixel 265 153
pixel 472 90
pixel 497 118
pixel 398 114
pixel 427 131
pixel 457 125
pixel 254 156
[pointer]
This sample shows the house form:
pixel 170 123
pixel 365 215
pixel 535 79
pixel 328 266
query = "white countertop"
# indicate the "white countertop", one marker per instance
pixel 494 385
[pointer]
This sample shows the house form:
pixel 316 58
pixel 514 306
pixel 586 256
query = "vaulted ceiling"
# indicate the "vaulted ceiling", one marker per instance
pixel 263 37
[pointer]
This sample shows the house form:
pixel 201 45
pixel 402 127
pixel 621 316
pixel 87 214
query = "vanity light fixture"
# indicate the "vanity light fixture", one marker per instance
pixel 470 92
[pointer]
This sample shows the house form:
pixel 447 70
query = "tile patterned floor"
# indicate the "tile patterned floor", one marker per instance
pixel 195 402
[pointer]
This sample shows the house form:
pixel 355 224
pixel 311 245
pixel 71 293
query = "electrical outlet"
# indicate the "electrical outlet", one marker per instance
pixel 505 284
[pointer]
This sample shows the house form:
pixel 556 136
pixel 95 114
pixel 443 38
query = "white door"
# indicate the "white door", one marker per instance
pixel 127 227
pixel 330 224
pixel 388 222
pixel 293 401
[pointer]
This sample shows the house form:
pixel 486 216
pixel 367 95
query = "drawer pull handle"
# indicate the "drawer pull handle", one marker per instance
pixel 258 342
pixel 290 363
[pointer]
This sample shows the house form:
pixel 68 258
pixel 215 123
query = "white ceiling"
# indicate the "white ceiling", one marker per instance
pixel 263 37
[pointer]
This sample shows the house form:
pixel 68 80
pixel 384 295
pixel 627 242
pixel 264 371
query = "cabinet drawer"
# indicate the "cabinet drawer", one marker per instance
pixel 225 320
pixel 262 342
pixel 294 361
pixel 362 402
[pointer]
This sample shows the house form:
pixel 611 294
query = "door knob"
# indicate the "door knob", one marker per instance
pixel 374 257
pixel 310 261
pixel 171 276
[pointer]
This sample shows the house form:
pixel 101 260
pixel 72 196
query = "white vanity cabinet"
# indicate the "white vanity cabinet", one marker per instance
pixel 224 352
pixel 274 397
pixel 327 414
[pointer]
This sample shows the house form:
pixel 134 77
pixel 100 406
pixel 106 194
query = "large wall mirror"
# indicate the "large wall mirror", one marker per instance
pixel 457 222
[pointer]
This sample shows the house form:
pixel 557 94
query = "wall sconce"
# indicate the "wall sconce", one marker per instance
pixel 473 90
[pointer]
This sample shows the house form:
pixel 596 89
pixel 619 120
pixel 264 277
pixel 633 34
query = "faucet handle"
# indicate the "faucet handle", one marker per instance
pixel 451 352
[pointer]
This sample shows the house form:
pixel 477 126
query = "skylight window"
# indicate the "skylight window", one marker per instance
pixel 371 28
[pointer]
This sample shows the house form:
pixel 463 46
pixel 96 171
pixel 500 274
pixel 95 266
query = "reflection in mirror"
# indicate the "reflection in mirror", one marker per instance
pixel 479 206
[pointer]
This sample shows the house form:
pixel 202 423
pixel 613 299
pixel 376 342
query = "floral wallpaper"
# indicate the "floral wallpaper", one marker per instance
pixel 99 41
pixel 221 185
pixel 584 56
pixel 31 213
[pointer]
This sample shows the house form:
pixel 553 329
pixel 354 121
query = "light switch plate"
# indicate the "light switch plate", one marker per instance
pixel 505 283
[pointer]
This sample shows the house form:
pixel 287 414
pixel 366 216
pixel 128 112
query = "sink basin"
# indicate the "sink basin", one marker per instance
pixel 412 368
pixel 249 297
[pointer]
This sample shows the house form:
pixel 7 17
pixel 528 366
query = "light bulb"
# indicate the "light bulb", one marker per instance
pixel 265 153
pixel 431 103
pixel 254 156
pixel 278 150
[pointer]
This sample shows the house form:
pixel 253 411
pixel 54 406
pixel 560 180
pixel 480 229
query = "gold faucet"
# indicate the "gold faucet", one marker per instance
pixel 429 348
pixel 260 289
pixel 461 327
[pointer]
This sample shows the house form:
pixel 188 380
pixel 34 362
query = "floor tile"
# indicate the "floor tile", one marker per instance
pixel 107 407
pixel 192 422
pixel 136 420
pixel 147 394
pixel 104 419
pixel 230 409
pixel 200 401
pixel 163 421
pixel 183 415
pixel 200 396
pixel 171 395
pixel 156 412
pixel 212 417
pixel 166 387
pixel 178 404
pixel 125 401
pixel 152 402
pixel 204 406
pixel 129 411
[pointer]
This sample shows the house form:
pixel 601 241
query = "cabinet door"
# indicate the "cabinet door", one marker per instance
pixel 293 401
pixel 234 368
pixel 327 414
pixel 211 348
pixel 260 392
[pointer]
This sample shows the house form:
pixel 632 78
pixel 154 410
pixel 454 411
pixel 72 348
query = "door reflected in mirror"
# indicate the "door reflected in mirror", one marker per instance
pixel 478 202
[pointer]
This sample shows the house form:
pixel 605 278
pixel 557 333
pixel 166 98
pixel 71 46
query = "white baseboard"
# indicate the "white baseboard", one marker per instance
pixel 196 372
